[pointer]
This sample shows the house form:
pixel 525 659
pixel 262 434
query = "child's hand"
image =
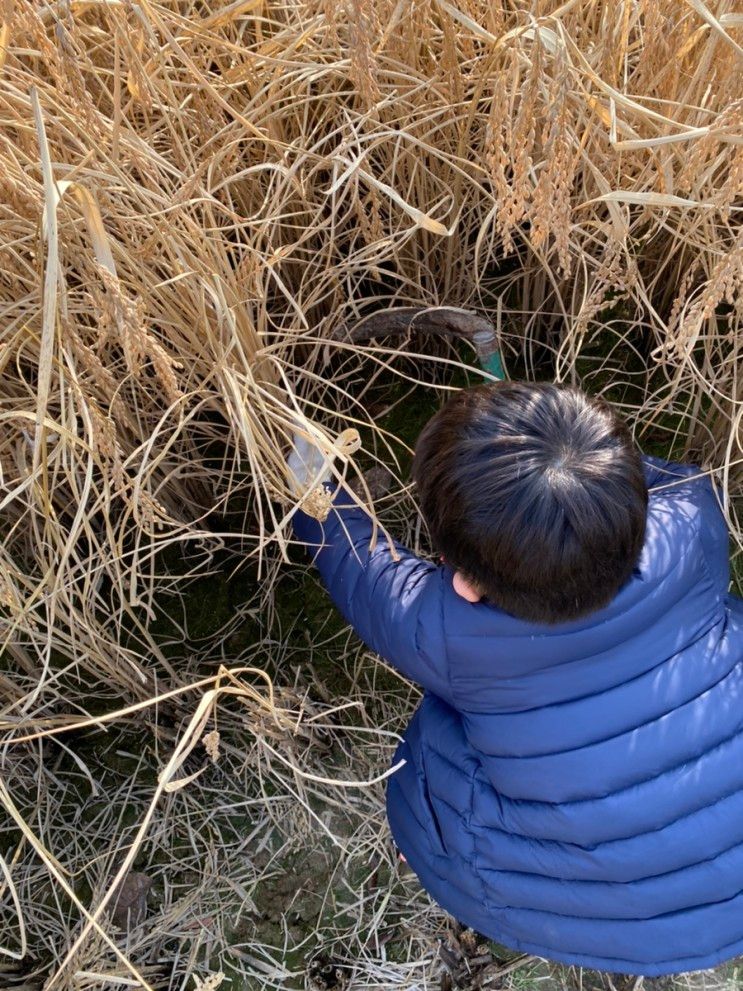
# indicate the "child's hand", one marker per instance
pixel 308 466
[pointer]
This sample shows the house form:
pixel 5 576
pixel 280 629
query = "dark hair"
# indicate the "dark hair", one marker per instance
pixel 536 492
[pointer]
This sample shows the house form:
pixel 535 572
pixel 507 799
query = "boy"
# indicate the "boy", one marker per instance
pixel 573 785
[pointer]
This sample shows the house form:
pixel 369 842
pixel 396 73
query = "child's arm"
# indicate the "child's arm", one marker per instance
pixel 395 606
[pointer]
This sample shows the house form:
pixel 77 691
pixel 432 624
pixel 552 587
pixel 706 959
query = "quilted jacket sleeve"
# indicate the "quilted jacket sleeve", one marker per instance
pixel 392 600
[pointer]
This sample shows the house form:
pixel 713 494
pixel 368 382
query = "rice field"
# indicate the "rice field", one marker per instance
pixel 199 203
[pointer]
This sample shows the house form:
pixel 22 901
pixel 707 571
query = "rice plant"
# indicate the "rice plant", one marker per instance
pixel 198 201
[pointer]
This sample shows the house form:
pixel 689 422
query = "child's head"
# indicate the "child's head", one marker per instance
pixel 535 494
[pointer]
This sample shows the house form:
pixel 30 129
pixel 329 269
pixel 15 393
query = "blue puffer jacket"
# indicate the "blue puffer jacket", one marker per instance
pixel 574 791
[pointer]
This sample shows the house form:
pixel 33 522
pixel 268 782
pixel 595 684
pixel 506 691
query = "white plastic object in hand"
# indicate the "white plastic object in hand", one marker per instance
pixel 308 466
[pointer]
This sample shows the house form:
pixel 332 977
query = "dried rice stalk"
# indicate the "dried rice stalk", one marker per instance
pixel 192 198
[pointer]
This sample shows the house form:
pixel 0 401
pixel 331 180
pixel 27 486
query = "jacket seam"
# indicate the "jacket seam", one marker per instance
pixel 597 880
pixel 613 918
pixel 617 736
pixel 719 616
pixel 597 798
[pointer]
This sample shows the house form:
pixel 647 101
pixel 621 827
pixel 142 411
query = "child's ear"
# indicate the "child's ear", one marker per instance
pixel 465 588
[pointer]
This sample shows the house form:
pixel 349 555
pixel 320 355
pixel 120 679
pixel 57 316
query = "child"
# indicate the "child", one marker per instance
pixel 573 778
